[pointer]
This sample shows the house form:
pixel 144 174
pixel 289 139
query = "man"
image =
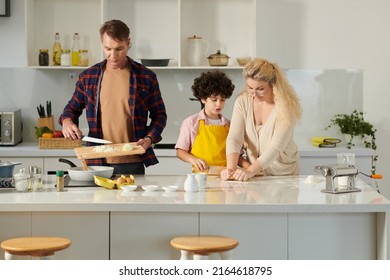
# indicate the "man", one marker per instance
pixel 118 95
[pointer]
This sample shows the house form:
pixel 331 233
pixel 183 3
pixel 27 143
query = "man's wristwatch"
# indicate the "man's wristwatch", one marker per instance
pixel 150 137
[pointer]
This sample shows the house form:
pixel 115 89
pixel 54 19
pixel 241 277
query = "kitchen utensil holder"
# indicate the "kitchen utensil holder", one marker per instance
pixel 49 122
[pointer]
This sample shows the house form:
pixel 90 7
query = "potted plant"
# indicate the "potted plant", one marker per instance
pixel 355 126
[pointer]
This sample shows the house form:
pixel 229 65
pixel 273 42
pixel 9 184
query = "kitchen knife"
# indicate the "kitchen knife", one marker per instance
pixel 95 140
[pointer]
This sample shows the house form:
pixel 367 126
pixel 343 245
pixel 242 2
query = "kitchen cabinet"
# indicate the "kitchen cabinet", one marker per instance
pixel 277 218
pixel 51 164
pixel 169 165
pixel 153 229
pixel 26 162
pixel 12 225
pixel 92 244
pixel 225 24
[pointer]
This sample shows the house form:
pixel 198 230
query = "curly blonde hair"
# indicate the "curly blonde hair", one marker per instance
pixel 286 100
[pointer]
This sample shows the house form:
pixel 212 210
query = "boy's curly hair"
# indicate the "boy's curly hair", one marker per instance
pixel 212 83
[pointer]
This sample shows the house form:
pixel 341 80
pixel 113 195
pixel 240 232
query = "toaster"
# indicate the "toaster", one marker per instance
pixel 10 126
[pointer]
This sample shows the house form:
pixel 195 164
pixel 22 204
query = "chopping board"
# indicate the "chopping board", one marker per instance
pixel 89 152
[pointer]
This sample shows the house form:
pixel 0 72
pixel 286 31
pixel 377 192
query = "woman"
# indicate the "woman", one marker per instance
pixel 263 121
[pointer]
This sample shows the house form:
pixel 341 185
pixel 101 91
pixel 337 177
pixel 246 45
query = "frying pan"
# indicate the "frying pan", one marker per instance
pixel 79 174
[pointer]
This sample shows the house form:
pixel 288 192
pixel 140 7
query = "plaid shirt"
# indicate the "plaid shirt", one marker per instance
pixel 144 97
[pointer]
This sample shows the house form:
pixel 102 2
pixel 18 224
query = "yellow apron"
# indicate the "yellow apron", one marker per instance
pixel 210 144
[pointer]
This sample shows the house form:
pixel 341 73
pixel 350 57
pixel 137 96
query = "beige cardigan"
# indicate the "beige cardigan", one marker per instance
pixel 272 143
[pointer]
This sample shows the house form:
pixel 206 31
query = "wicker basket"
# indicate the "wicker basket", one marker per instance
pixel 58 143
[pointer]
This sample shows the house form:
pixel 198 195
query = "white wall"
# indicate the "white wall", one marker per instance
pixel 334 34
pixel 297 34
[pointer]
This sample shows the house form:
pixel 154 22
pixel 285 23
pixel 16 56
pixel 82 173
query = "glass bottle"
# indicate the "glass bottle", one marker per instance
pixel 75 49
pixel 43 57
pixel 83 58
pixel 65 57
pixel 57 50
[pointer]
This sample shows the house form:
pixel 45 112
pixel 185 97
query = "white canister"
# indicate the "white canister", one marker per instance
pixel 196 51
pixel 191 184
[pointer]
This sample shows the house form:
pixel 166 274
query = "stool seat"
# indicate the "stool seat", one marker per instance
pixel 35 246
pixel 204 245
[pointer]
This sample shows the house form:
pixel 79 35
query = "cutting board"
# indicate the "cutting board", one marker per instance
pixel 89 153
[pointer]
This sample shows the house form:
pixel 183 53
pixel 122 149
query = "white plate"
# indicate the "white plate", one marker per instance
pixel 128 188
pixel 170 188
pixel 150 188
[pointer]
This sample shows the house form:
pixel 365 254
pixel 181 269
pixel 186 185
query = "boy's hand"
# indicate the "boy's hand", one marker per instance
pixel 200 164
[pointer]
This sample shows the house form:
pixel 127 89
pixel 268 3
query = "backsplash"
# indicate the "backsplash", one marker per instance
pixel 323 93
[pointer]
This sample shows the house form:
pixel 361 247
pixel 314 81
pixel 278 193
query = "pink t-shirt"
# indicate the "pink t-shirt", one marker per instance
pixel 189 130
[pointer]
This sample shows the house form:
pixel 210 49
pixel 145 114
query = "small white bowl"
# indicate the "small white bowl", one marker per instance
pixel 150 188
pixel 128 188
pixel 170 188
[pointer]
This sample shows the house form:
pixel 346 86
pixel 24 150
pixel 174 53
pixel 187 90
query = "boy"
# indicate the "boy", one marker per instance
pixel 202 138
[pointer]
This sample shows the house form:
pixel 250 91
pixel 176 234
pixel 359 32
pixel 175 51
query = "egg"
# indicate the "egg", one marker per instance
pixel 120 181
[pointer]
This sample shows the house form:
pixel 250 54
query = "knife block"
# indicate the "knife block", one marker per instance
pixel 49 122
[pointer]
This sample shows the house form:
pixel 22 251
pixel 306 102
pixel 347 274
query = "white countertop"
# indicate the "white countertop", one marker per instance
pixel 31 149
pixel 292 194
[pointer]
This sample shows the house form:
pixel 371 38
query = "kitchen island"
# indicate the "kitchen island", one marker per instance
pixel 272 217
pixel 28 153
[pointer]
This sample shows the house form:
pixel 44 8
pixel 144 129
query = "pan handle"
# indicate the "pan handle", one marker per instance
pixel 64 160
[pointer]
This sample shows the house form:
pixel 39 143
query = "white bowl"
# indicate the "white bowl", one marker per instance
pixel 149 188
pixel 170 188
pixel 128 188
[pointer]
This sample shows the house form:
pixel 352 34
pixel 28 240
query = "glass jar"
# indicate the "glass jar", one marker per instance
pixel 83 58
pixel 43 57
pixel 65 57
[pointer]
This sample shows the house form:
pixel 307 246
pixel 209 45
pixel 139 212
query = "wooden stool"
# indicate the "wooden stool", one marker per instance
pixel 200 247
pixel 41 247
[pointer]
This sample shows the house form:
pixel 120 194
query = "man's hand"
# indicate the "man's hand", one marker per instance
pixel 70 130
pixel 145 142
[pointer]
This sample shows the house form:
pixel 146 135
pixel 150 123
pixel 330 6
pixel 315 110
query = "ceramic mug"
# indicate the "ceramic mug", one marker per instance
pixel 202 180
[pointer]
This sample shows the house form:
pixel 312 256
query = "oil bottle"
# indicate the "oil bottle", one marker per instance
pixel 57 50
pixel 76 49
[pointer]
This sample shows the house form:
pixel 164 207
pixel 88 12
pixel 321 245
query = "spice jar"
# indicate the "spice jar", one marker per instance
pixel 65 57
pixel 43 57
pixel 83 58
pixel 60 180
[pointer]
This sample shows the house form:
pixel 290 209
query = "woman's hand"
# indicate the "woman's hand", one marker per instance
pixel 241 175
pixel 227 174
